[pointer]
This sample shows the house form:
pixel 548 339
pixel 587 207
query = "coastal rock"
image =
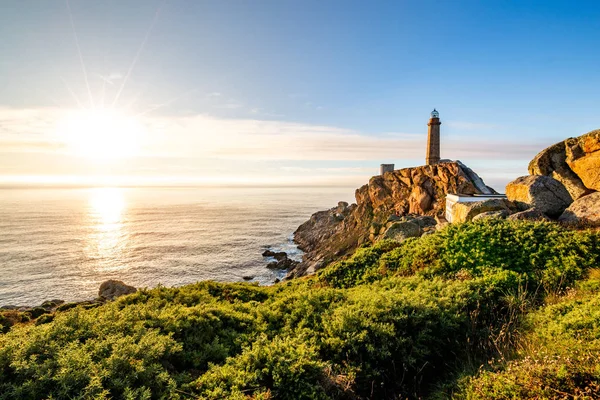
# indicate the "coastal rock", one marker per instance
pixel 583 156
pixel 574 162
pixel 282 264
pixel 584 211
pixel 552 162
pixel 280 255
pixel 281 260
pixel 544 193
pixel 532 214
pixel 500 214
pixel 463 212
pixel 401 231
pixel 334 234
pixel 424 221
pixel 112 289
pixel 342 207
pixel 51 305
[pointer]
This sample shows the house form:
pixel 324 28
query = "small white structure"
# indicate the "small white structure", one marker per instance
pixel 383 168
pixel 452 199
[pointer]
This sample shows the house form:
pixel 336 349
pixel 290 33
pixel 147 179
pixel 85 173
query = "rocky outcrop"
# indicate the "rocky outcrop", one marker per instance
pixel 400 229
pixel 544 193
pixel 333 234
pixel 112 289
pixel 583 156
pixel 584 211
pixel 574 162
pixel 499 214
pixel 281 260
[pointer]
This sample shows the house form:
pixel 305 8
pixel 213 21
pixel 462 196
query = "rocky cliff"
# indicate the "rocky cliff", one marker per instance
pixel 388 203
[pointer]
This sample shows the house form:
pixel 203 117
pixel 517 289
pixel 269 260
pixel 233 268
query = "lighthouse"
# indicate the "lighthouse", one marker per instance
pixel 433 139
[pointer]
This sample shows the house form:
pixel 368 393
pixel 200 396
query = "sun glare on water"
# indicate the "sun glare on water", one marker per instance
pixel 101 134
pixel 107 240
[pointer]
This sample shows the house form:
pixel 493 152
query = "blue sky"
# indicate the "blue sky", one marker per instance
pixel 294 92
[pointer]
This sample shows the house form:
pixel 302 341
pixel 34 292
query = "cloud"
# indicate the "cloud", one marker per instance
pixel 203 145
pixel 254 139
pixel 26 121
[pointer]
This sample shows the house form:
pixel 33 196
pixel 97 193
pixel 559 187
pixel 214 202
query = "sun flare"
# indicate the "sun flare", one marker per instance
pixel 101 134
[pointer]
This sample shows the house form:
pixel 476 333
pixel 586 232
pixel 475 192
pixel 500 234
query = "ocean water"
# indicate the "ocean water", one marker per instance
pixel 63 243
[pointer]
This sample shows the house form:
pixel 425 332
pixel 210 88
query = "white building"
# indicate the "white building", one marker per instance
pixel 452 199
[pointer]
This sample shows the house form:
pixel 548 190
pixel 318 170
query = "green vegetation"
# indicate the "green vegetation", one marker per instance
pixel 474 311
pixel 558 357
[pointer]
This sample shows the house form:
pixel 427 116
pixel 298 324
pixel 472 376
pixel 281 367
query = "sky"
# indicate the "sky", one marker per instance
pixel 279 92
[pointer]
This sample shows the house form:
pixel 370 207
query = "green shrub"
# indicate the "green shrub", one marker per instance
pixel 284 368
pixel 548 254
pixel 559 358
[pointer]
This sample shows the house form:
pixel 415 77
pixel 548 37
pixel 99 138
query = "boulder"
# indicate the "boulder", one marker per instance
pixel 424 221
pixel 574 162
pixel 543 193
pixel 112 289
pixel 552 162
pixel 462 212
pixel 401 231
pixel 532 214
pixel 583 211
pixel 583 156
pixel 500 214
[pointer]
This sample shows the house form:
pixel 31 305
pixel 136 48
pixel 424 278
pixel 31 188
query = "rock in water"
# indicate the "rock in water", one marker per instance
pixel 333 234
pixel 279 256
pixel 584 211
pixel 545 194
pixel 112 289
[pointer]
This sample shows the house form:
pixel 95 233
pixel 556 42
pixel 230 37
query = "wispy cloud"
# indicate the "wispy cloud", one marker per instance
pixel 256 139
pixel 208 146
pixel 278 140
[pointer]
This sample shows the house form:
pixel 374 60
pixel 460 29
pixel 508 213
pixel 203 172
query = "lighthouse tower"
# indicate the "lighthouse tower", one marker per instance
pixel 433 139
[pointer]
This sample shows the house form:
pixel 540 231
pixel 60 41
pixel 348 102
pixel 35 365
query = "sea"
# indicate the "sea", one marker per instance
pixel 63 243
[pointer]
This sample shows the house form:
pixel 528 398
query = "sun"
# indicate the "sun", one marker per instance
pixel 101 134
